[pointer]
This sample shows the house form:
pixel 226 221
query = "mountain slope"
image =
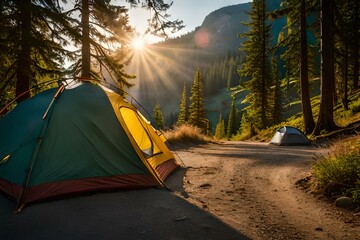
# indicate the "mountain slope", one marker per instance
pixel 163 67
pixel 218 32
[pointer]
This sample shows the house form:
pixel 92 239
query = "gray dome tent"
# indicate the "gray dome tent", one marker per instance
pixel 290 136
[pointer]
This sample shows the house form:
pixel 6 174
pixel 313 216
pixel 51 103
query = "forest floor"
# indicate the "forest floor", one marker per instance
pixel 253 187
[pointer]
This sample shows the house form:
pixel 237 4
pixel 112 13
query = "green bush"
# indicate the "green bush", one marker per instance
pixel 355 107
pixel 356 192
pixel 341 165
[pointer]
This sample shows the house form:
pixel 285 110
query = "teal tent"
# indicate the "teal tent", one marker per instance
pixel 65 141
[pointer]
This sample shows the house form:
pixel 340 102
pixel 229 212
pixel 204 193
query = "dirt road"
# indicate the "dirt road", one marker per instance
pixel 251 187
pixel 233 190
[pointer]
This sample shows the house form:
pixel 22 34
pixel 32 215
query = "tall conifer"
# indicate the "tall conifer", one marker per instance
pixel 346 49
pixel 258 65
pixel 159 117
pixel 277 94
pixel 325 121
pixel 101 35
pixel 220 129
pixel 197 115
pixel 105 33
pixel 35 34
pixel 32 43
pixel 182 118
pixel 296 45
pixel 230 130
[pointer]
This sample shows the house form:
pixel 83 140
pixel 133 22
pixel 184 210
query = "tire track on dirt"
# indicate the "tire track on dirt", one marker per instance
pixel 251 187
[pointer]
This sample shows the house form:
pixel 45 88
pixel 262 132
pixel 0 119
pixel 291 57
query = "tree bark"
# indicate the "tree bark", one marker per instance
pixel 356 46
pixel 325 120
pixel 85 49
pixel 309 123
pixel 23 71
pixel 345 99
pixel 264 121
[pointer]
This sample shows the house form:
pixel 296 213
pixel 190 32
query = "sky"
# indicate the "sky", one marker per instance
pixel 191 12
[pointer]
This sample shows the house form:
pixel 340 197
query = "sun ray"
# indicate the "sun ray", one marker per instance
pixel 161 72
pixel 138 43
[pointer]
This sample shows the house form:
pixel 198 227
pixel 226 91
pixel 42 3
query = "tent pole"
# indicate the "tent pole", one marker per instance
pixel 52 101
pixel 20 205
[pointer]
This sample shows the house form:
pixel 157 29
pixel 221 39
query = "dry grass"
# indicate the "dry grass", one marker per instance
pixel 341 165
pixel 186 134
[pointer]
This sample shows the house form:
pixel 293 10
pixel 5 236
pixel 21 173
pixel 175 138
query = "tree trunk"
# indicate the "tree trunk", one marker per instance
pixel 309 123
pixel 85 49
pixel 264 96
pixel 325 120
pixel 23 71
pixel 345 99
pixel 356 46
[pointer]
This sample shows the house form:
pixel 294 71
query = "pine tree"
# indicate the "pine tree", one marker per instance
pixel 197 115
pixel 325 120
pixel 258 65
pixel 277 95
pixel 309 123
pixel 243 123
pixel 346 48
pixel 31 43
pixel 101 40
pixel 35 35
pixel 246 124
pixel 347 29
pixel 220 129
pixel 296 45
pixel 230 73
pixel 230 130
pixel 182 118
pixel 158 117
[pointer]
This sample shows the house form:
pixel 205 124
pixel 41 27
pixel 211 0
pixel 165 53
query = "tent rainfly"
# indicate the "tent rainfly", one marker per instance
pixel 69 141
pixel 289 136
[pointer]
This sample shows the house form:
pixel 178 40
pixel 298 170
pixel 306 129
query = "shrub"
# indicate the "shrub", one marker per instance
pixel 341 165
pixel 355 107
pixel 356 192
pixel 186 133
